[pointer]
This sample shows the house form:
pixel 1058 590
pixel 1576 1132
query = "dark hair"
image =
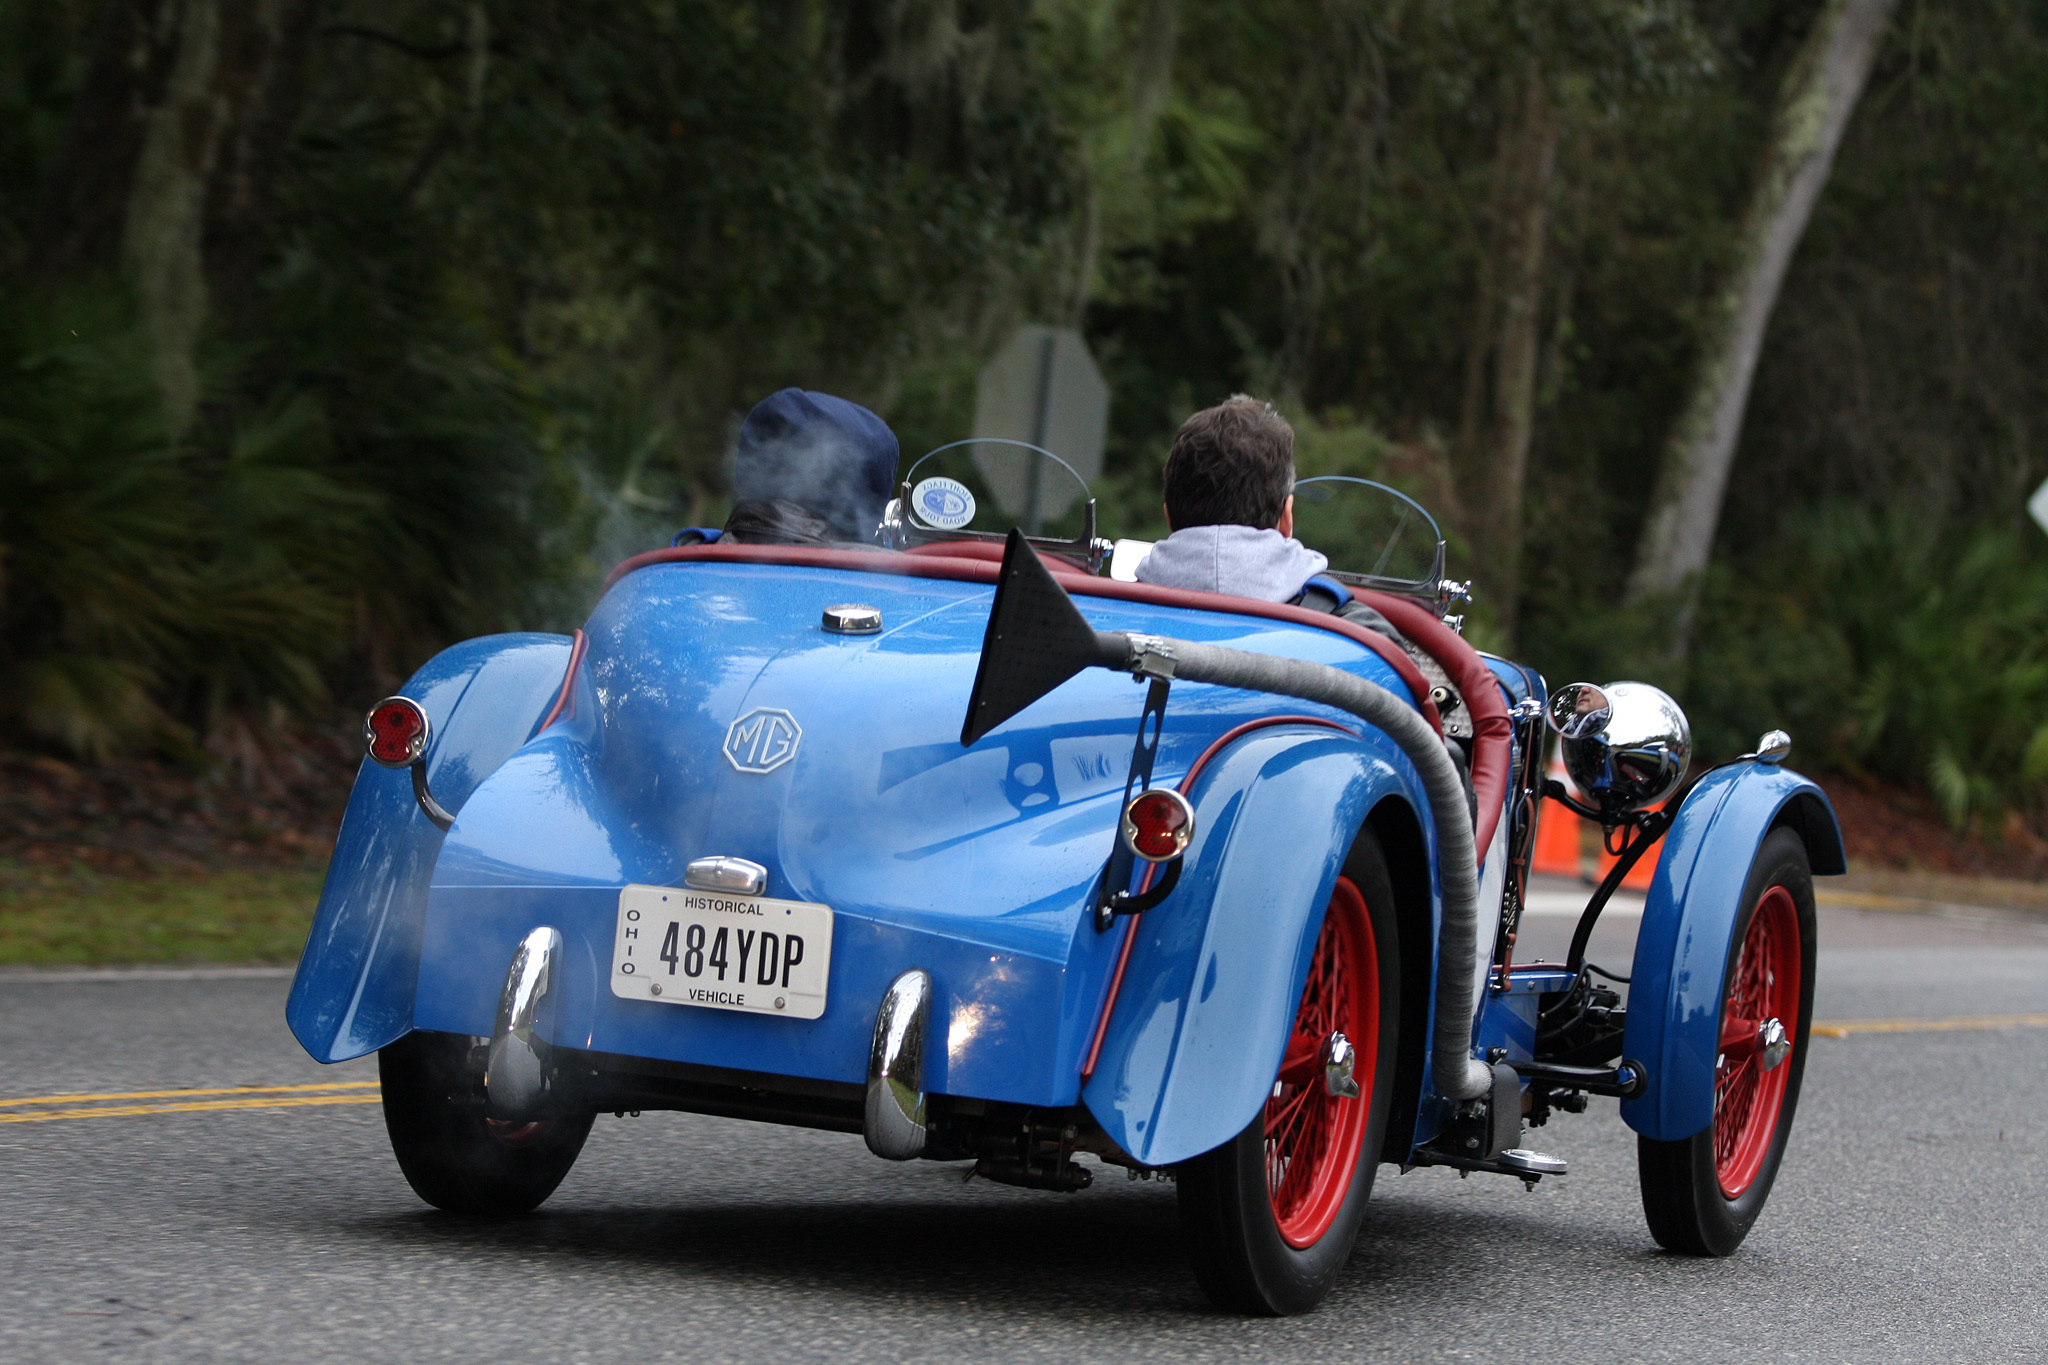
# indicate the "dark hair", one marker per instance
pixel 1231 465
pixel 778 521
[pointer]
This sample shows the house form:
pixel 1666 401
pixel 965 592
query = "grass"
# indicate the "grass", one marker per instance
pixel 75 916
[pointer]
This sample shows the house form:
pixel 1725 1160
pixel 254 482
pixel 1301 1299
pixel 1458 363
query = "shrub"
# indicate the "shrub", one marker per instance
pixel 150 582
pixel 1892 646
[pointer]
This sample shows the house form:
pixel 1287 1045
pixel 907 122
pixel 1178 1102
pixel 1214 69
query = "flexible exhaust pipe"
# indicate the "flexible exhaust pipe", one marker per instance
pixel 1458 1074
pixel 1032 646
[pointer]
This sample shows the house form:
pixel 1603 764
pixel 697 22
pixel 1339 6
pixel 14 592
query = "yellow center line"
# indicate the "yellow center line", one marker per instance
pixel 1843 1028
pixel 176 1094
pixel 293 1096
pixel 133 1110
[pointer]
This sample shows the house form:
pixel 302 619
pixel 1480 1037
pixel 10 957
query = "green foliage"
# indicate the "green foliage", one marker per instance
pixel 1883 643
pixel 151 582
pixel 527 263
pixel 1947 639
pixel 1904 367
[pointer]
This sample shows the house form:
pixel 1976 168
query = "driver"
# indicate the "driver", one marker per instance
pixel 810 469
pixel 1230 506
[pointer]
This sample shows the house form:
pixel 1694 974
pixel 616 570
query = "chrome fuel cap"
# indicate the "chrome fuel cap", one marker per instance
pixel 852 618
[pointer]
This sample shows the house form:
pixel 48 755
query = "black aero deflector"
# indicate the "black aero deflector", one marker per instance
pixel 1036 640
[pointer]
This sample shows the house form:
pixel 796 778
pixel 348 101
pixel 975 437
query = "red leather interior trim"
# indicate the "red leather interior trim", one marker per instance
pixel 961 549
pixel 966 569
pixel 1492 731
pixel 814 557
pixel 991 552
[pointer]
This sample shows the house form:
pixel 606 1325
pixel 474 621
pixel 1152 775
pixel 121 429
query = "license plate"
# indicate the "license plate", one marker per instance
pixel 722 952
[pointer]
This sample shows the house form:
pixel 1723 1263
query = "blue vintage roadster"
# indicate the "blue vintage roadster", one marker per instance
pixel 883 839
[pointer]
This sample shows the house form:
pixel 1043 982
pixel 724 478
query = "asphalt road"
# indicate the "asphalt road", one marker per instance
pixel 1910 1222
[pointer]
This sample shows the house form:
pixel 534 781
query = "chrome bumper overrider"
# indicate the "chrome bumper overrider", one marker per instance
pixel 894 1123
pixel 515 1078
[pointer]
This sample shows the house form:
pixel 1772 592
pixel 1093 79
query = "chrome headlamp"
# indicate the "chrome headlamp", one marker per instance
pixel 1626 745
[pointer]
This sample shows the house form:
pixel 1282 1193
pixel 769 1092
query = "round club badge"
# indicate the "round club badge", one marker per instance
pixel 944 503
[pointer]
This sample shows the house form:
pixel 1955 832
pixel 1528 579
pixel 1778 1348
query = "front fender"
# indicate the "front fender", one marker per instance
pixel 354 989
pixel 1674 1005
pixel 1217 969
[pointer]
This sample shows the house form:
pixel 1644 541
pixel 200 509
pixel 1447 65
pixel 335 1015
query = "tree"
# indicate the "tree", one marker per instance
pixel 1499 415
pixel 167 166
pixel 1819 93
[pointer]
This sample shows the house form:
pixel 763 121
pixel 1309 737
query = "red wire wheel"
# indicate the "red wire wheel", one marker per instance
pixel 1702 1194
pixel 1312 1137
pixel 1269 1217
pixel 1747 1097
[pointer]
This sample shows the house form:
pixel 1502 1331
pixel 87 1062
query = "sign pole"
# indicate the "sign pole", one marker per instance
pixel 1034 499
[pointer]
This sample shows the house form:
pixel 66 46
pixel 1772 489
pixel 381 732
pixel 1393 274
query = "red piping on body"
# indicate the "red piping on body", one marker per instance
pixel 576 648
pixel 1187 784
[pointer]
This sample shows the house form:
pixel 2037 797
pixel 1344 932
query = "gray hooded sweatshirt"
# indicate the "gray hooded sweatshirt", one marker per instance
pixel 1240 560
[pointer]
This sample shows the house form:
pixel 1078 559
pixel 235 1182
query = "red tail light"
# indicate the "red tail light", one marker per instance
pixel 1157 824
pixel 396 732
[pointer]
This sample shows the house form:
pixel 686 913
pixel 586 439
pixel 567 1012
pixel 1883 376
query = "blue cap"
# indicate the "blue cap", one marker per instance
pixel 832 457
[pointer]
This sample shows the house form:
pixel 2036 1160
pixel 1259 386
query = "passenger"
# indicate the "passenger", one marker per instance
pixel 810 469
pixel 1230 506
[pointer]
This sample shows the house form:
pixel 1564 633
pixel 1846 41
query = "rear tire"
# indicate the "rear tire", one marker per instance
pixel 454 1157
pixel 1270 1216
pixel 1702 1194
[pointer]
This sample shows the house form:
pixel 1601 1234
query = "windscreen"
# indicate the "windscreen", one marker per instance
pixel 988 486
pixel 1372 533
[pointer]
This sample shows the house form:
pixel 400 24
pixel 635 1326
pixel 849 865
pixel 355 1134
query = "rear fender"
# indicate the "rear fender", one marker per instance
pixel 1218 967
pixel 1674 1006
pixel 354 989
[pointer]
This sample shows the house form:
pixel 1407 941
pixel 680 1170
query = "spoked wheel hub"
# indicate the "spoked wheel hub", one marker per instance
pixel 1749 1081
pixel 1316 1119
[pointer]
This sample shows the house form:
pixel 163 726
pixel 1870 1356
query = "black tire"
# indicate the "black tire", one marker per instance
pixel 1233 1235
pixel 452 1156
pixel 1683 1197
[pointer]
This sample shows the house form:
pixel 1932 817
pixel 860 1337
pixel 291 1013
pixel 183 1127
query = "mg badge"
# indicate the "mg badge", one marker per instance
pixel 762 740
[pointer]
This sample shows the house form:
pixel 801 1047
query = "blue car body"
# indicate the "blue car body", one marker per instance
pixel 708 714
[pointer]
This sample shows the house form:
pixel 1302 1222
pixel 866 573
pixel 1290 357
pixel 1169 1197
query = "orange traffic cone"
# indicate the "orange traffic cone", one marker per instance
pixel 1559 835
